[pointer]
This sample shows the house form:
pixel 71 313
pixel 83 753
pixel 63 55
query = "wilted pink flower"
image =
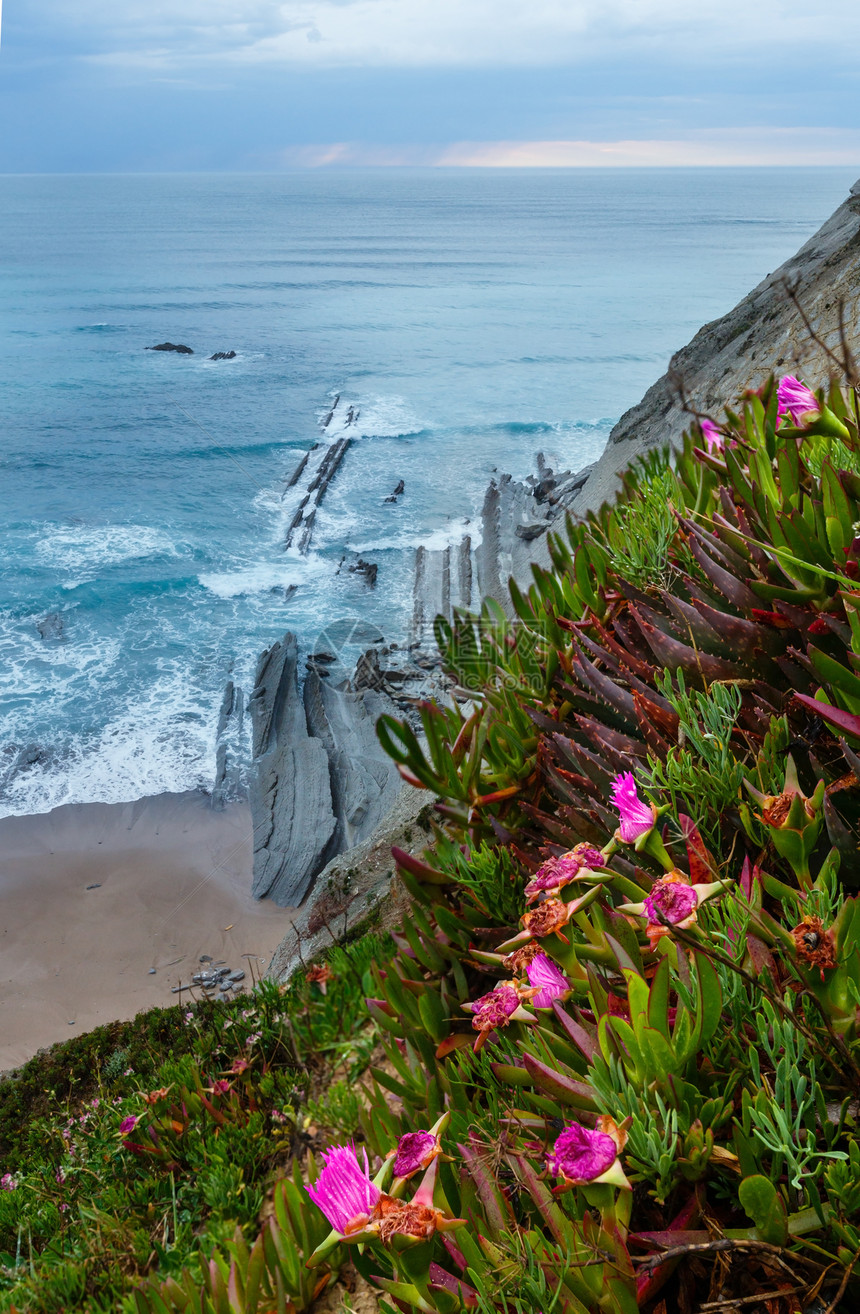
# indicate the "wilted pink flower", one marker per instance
pixel 581 1155
pixel 415 1150
pixel 60 1176
pixel 344 1191
pixel 128 1124
pixel 552 875
pixel 497 1009
pixel 8 1183
pixel 221 1086
pixel 239 1065
pixel 714 440
pixel 637 818
pixel 543 972
pixel 796 400
pixel 672 900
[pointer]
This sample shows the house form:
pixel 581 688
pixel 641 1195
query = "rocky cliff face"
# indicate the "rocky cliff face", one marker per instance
pixel 764 332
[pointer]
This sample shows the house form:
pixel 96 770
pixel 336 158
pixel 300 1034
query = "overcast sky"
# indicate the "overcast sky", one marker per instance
pixel 253 84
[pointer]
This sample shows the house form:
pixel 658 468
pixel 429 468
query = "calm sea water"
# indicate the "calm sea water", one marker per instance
pixel 473 317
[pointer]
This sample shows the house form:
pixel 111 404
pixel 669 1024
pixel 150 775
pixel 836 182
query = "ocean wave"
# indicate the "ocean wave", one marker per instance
pixel 92 547
pixel 262 577
pixel 162 742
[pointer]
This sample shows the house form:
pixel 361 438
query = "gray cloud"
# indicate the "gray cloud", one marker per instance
pixel 443 33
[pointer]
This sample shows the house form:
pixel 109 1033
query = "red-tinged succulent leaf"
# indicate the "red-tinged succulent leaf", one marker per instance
pixel 846 722
pixel 422 870
pixel 703 869
pixel 599 683
pixel 497 1207
pixel 567 1090
pixel 584 1038
pixel 729 585
pixel 647 726
pixel 617 662
pixel 559 1225
pixel 648 1284
pixel 761 957
pixel 460 1040
pixel 718 550
pixel 442 1281
pixel 692 623
pixel 693 661
pixel 603 737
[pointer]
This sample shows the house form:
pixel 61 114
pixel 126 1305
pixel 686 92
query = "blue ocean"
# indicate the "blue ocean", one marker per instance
pixel 469 318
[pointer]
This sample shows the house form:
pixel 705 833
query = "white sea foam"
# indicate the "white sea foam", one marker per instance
pixel 88 547
pixel 163 742
pixel 450 534
pixel 261 577
pixel 376 416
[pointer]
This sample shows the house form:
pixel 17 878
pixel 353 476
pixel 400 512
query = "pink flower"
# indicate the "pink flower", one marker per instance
pixel 495 1009
pixel 543 972
pixel 415 1150
pixel 128 1124
pixel 671 899
pixel 796 400
pixel 8 1183
pixel 555 873
pixel 714 440
pixel 581 1155
pixel 239 1065
pixel 344 1191
pixel 637 818
pixel 60 1176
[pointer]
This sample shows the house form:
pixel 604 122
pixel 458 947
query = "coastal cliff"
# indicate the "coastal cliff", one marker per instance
pixel 764 331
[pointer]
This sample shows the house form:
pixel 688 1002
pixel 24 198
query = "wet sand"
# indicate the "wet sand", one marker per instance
pixel 171 881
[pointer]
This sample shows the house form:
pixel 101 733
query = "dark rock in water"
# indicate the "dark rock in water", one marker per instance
pixel 172 346
pixel 51 626
pixel 219 355
pixel 397 492
pixel 290 791
pixel 369 569
pixel 328 419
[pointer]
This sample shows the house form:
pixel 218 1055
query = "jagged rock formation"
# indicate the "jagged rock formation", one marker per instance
pixel 515 518
pixel 319 465
pixel 364 781
pixel 319 780
pixel 228 747
pixel 764 332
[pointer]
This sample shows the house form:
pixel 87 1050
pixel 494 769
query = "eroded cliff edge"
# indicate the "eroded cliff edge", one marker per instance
pixel 763 332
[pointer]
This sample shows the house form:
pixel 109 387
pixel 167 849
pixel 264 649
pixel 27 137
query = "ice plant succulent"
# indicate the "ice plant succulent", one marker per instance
pixel 637 818
pixel 416 1150
pixel 814 944
pixel 673 901
pixel 714 440
pixel 552 982
pixel 794 821
pixel 583 1156
pixel 500 1007
pixel 554 874
pixel 344 1190
pixel 796 400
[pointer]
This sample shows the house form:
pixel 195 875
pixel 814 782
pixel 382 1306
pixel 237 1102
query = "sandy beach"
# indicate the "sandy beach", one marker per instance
pixel 93 896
